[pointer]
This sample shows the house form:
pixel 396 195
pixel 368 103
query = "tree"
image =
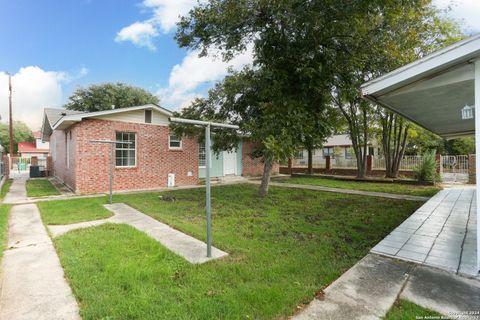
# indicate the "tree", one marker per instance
pixel 21 133
pixel 461 146
pixel 289 82
pixel 395 33
pixel 246 99
pixel 103 96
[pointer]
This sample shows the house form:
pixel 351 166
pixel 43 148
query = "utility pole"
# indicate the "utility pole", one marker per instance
pixel 10 127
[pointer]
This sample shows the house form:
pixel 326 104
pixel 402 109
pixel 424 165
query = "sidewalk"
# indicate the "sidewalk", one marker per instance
pixel 32 280
pixel 369 289
pixel 18 190
pixel 190 248
pixel 345 191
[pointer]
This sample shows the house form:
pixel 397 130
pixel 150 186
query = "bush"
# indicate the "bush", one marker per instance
pixel 426 171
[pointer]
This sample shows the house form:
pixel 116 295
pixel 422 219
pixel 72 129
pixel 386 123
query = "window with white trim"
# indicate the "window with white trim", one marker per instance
pixel 125 153
pixel 328 151
pixel 174 142
pixel 349 153
pixel 202 156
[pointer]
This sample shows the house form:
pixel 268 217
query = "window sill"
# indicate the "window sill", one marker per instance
pixel 175 149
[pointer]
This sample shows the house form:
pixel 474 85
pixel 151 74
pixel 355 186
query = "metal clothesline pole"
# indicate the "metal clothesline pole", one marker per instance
pixel 112 144
pixel 208 205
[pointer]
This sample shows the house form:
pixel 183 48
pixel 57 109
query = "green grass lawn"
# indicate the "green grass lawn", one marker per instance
pixel 5 187
pixel 282 249
pixel 73 211
pixel 4 212
pixel 40 188
pixel 405 310
pixel 416 190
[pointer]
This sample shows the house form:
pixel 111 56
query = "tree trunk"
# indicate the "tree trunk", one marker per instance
pixel 310 161
pixel 267 169
pixel 394 141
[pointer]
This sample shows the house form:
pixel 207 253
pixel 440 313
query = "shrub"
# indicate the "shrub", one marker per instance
pixel 426 170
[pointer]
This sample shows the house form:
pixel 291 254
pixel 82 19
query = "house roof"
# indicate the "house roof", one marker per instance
pixel 50 117
pixel 66 121
pixel 37 134
pixel 338 140
pixel 30 147
pixel 432 90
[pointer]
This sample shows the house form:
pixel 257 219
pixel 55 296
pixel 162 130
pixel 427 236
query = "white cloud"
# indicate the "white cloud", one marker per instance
pixel 165 14
pixel 465 11
pixel 33 89
pixel 139 33
pixel 193 72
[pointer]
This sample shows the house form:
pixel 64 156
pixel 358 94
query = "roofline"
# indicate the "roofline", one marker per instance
pixel 79 117
pixel 456 53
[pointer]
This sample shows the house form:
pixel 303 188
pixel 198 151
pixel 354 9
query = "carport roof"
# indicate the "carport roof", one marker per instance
pixel 433 90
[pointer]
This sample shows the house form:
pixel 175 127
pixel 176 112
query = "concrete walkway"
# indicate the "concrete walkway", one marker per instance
pixel 345 191
pixel 369 289
pixel 32 280
pixel 18 190
pixel 441 233
pixel 190 248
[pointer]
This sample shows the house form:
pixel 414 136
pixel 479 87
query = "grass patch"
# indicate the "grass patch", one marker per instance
pixel 4 213
pixel 415 190
pixel 282 249
pixel 41 188
pixel 404 310
pixel 73 211
pixel 5 188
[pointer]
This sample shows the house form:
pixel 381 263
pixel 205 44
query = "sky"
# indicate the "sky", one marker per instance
pixel 52 47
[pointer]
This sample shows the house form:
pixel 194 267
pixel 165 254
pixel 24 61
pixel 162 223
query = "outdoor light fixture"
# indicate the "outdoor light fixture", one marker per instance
pixel 468 112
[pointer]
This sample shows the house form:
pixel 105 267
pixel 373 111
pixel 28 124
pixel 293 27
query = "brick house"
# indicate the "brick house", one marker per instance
pixel 152 152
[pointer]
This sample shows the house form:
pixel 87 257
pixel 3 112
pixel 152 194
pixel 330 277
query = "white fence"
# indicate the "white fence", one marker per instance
pixel 455 164
pixel 344 163
pixel 408 163
pixel 450 164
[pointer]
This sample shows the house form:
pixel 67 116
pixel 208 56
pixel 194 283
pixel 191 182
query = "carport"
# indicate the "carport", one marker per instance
pixel 439 93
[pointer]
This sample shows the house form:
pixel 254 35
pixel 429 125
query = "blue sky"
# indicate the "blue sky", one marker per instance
pixel 51 47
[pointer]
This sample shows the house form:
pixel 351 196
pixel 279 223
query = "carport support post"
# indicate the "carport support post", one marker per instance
pixel 477 153
pixel 208 195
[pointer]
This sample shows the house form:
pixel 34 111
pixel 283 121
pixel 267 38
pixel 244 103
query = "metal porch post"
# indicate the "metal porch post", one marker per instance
pixel 112 161
pixel 477 153
pixel 207 185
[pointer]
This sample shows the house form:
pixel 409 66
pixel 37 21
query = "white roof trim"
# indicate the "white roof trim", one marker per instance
pixel 459 52
pixel 79 117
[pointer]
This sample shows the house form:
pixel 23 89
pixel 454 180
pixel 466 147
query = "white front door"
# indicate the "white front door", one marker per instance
pixel 229 163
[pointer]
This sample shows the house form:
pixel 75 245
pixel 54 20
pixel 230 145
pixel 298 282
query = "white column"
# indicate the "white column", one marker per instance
pixel 477 153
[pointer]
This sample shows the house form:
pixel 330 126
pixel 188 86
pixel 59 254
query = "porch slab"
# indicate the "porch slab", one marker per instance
pixel 441 233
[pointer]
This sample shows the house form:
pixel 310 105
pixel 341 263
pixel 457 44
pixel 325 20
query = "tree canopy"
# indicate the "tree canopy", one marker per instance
pixel 306 55
pixel 103 96
pixel 21 132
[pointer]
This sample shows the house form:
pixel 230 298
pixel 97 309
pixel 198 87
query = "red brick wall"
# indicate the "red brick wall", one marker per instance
pixel 154 159
pixel 59 155
pixel 251 166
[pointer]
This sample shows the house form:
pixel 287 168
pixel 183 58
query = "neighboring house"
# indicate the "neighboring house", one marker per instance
pixel 37 149
pixel 151 155
pixel 338 147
